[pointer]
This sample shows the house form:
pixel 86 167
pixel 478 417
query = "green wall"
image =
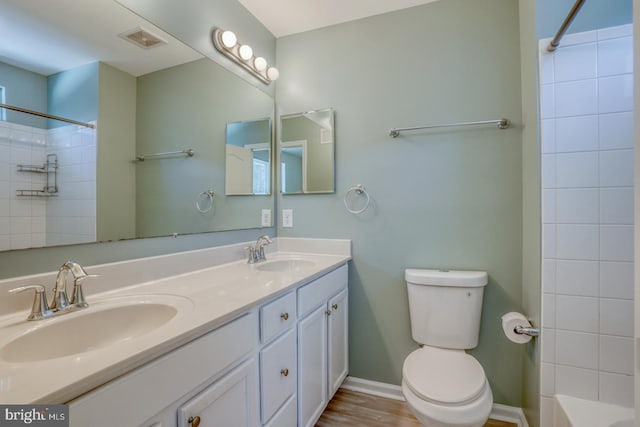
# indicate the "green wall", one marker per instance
pixel 116 172
pixel 594 14
pixel 531 208
pixel 440 199
pixel 73 94
pixel 189 106
pixel 24 89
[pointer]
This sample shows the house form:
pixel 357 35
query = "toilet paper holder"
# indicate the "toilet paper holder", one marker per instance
pixel 527 330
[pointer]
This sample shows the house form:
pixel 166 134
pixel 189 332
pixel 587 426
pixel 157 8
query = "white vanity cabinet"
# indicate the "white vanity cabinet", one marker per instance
pixel 322 343
pixel 216 373
pixel 278 365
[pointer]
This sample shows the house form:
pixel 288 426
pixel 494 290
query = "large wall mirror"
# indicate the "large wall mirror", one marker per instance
pixel 307 152
pixel 168 98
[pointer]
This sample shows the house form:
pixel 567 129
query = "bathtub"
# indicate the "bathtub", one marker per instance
pixel 571 411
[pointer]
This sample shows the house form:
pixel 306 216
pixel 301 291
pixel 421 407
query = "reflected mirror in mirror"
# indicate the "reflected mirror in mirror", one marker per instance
pixel 145 101
pixel 248 158
pixel 307 152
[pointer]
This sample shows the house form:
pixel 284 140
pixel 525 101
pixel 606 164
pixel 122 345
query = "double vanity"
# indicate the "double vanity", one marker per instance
pixel 189 338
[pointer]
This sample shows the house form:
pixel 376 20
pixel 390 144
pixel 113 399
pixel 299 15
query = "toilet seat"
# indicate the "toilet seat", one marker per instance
pixel 444 376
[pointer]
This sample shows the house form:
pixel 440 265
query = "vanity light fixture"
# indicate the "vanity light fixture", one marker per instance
pixel 242 54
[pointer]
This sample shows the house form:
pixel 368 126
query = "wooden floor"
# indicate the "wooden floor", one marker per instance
pixel 352 409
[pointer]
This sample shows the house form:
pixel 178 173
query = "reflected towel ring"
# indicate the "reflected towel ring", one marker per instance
pixel 358 190
pixel 209 197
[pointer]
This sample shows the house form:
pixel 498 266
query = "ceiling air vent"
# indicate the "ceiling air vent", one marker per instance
pixel 142 38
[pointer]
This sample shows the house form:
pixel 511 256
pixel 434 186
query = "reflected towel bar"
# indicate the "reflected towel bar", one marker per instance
pixel 189 152
pixel 502 124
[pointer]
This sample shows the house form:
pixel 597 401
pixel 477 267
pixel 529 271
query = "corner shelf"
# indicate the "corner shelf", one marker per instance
pixel 50 168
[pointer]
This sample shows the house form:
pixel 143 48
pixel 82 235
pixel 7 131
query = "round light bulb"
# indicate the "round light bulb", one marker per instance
pixel 229 39
pixel 273 73
pixel 245 52
pixel 260 63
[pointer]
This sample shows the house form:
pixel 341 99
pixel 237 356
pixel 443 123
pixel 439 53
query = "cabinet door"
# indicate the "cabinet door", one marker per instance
pixel 312 366
pixel 231 401
pixel 338 337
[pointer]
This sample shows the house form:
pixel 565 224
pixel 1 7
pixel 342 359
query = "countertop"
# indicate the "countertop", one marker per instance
pixel 207 298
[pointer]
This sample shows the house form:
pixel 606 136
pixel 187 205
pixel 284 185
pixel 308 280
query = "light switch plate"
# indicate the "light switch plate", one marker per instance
pixel 287 218
pixel 266 218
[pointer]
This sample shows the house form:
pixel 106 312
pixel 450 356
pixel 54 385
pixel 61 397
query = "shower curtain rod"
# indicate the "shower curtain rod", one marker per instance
pixel 567 21
pixel 46 116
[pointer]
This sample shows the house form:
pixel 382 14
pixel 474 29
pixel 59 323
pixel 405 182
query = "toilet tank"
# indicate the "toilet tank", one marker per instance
pixel 445 306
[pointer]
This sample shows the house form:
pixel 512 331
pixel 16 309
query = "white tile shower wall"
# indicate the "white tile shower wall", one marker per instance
pixel 587 157
pixel 37 221
pixel 22 219
pixel 71 217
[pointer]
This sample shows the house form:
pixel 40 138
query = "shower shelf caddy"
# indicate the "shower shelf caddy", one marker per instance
pixel 50 168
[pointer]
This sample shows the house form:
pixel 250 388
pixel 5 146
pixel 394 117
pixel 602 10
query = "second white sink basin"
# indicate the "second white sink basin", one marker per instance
pixel 285 265
pixel 99 326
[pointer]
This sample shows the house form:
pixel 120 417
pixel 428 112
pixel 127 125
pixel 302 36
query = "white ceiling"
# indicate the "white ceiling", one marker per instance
pixel 285 17
pixel 54 35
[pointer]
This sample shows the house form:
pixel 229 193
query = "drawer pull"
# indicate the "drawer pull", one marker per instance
pixel 284 372
pixel 327 312
pixel 194 421
pixel 334 306
pixel 284 316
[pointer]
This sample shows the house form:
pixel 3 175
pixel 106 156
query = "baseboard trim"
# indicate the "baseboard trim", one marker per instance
pixel 498 412
pixel 510 414
pixel 375 388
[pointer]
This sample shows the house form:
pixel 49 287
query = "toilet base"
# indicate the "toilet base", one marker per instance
pixel 472 414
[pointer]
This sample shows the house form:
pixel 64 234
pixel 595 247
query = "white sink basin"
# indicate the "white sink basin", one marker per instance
pixel 285 265
pixel 97 327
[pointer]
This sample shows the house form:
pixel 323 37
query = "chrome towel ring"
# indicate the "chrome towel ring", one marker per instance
pixel 205 204
pixel 357 190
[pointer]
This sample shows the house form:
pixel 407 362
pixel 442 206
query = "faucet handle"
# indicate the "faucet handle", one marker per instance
pixel 77 296
pixel 40 308
pixel 264 240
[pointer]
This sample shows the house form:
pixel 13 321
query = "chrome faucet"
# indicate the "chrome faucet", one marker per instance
pixel 60 303
pixel 256 253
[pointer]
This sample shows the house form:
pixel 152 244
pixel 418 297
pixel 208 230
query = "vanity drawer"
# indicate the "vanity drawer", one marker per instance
pixel 278 373
pixel 317 292
pixel 277 316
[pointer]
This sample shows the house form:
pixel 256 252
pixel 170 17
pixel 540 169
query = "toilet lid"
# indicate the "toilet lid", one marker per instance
pixel 442 375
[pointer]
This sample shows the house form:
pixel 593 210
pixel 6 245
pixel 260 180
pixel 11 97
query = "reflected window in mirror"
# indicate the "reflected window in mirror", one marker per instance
pixel 307 152
pixel 248 158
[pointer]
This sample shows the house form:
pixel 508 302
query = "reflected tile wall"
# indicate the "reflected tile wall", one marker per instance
pixel 27 222
pixel 587 163
pixel 71 217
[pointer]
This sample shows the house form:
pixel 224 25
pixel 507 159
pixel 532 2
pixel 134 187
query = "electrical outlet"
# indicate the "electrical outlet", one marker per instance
pixel 266 217
pixel 287 218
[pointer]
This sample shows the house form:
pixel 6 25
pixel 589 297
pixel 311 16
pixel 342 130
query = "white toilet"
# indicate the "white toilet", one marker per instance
pixel 443 385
